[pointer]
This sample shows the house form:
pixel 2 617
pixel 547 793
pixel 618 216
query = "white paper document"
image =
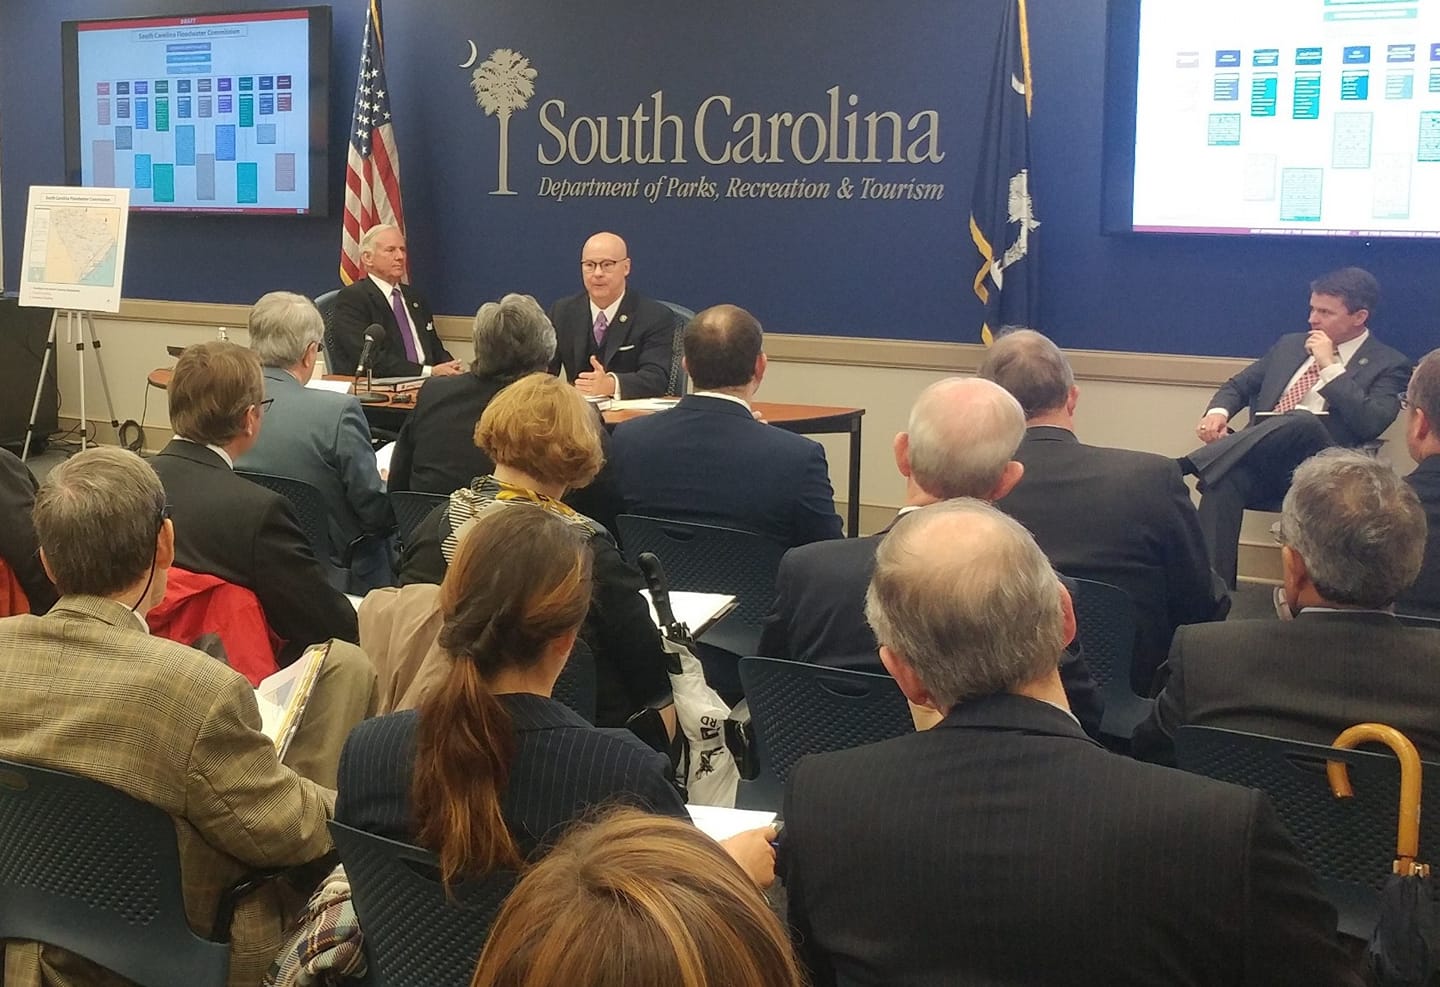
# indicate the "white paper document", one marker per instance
pixel 338 386
pixel 720 823
pixel 282 697
pixel 644 404
pixel 697 611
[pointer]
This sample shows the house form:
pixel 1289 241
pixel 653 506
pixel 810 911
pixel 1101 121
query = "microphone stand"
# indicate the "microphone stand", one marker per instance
pixel 370 397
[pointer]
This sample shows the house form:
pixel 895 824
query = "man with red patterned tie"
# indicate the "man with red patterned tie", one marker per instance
pixel 610 340
pixel 1335 385
pixel 410 346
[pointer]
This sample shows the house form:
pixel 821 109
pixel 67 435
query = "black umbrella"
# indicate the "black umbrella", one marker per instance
pixel 1404 949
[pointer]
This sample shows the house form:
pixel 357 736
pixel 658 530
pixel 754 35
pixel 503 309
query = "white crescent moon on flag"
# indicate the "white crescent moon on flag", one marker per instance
pixel 474 54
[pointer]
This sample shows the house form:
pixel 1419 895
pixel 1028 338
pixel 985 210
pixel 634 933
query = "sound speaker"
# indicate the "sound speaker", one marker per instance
pixel 23 332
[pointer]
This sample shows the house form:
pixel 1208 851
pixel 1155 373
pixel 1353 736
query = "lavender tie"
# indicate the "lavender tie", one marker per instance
pixel 397 303
pixel 601 326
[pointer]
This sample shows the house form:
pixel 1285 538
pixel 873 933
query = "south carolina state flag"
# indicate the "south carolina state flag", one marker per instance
pixel 1002 213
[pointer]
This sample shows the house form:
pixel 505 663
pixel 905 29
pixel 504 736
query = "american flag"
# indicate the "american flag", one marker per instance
pixel 372 170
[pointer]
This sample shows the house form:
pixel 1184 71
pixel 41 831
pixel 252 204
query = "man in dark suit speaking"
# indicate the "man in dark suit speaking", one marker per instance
pixel 918 861
pixel 610 339
pixel 410 347
pixel 1335 385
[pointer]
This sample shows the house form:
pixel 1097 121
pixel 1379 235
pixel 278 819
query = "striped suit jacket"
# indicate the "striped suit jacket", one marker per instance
pixel 84 689
pixel 1004 847
pixel 564 768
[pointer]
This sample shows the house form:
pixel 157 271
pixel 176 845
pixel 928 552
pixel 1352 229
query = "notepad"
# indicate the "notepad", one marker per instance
pixel 720 822
pixel 282 697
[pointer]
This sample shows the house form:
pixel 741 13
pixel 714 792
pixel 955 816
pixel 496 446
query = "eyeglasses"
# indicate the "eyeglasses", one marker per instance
pixel 1405 403
pixel 264 405
pixel 1276 534
pixel 603 266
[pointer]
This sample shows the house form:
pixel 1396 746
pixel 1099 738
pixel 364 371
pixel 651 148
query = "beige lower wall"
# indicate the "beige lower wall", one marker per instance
pixel 1129 400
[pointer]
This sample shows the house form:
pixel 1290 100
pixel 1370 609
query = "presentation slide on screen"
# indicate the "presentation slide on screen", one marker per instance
pixel 205 113
pixel 1289 117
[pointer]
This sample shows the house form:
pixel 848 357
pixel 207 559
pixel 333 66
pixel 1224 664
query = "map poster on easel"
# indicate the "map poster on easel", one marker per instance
pixel 74 255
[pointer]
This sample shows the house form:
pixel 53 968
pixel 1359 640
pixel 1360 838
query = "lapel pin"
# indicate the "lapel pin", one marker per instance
pixel 624 317
pixel 1364 360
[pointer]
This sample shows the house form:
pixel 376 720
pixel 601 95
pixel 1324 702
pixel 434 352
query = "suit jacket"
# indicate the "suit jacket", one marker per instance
pixel 1004 847
pixel 637 346
pixel 667 464
pixel 362 304
pixel 1424 596
pixel 1362 401
pixel 322 438
pixel 563 769
pixel 85 690
pixel 245 534
pixel 436 451
pixel 18 547
pixel 819 617
pixel 1306 679
pixel 1123 518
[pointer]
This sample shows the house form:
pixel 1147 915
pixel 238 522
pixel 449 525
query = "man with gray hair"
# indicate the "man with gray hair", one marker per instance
pixel 320 437
pixel 87 689
pixel 917 860
pixel 1116 516
pixel 1351 534
pixel 410 347
pixel 960 442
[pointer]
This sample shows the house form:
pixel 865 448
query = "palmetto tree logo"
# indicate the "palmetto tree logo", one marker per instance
pixel 503 84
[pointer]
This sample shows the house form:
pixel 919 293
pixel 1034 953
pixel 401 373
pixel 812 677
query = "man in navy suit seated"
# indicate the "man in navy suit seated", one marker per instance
pixel 709 461
pixel 1422 439
pixel 1335 385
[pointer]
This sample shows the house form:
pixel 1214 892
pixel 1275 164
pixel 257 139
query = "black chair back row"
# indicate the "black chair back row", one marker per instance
pixel 1106 621
pixel 1350 843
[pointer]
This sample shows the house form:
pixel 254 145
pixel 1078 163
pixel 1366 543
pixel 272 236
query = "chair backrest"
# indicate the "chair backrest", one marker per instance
pixel 411 508
pixel 683 315
pixel 1346 841
pixel 704 558
pixel 1417 620
pixel 309 506
pixel 416 936
pixel 91 870
pixel 797 708
pixel 1105 616
pixel 576 685
pixel 326 304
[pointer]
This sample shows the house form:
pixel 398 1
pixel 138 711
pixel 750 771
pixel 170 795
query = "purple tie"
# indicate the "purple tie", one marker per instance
pixel 601 325
pixel 398 304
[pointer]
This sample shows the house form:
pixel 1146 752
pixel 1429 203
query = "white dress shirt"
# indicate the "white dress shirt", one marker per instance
pixel 1314 401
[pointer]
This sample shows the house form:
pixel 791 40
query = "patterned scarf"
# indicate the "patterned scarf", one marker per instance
pixel 467 502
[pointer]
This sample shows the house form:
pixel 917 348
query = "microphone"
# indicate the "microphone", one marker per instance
pixel 374 336
pixel 655 581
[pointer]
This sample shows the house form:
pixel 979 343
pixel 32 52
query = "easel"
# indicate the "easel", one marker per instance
pixel 80 331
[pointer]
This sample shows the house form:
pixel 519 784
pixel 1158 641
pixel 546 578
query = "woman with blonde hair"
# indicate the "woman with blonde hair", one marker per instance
pixel 545 439
pixel 637 901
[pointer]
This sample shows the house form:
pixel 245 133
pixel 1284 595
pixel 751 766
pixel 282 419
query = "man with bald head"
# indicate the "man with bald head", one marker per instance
pixel 960 442
pixel 1003 846
pixel 1113 515
pixel 612 341
pixel 666 464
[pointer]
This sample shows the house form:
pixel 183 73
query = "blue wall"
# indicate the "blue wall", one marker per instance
pixel 863 268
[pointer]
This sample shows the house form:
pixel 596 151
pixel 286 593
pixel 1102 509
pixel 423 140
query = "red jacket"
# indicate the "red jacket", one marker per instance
pixel 197 604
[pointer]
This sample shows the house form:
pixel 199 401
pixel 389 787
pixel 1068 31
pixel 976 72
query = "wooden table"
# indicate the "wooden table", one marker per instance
pixel 804 419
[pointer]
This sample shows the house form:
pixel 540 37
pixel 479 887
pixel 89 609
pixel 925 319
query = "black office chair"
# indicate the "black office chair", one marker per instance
pixel 683 315
pixel 797 708
pixel 326 304
pixel 1106 618
pixel 313 514
pixel 705 558
pixel 91 870
pixel 412 507
pixel 1417 620
pixel 415 935
pixel 1350 843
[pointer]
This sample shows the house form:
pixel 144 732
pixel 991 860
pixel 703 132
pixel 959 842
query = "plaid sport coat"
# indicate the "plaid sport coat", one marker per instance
pixel 84 689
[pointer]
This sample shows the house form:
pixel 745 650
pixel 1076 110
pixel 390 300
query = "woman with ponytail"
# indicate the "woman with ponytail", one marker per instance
pixel 488 770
